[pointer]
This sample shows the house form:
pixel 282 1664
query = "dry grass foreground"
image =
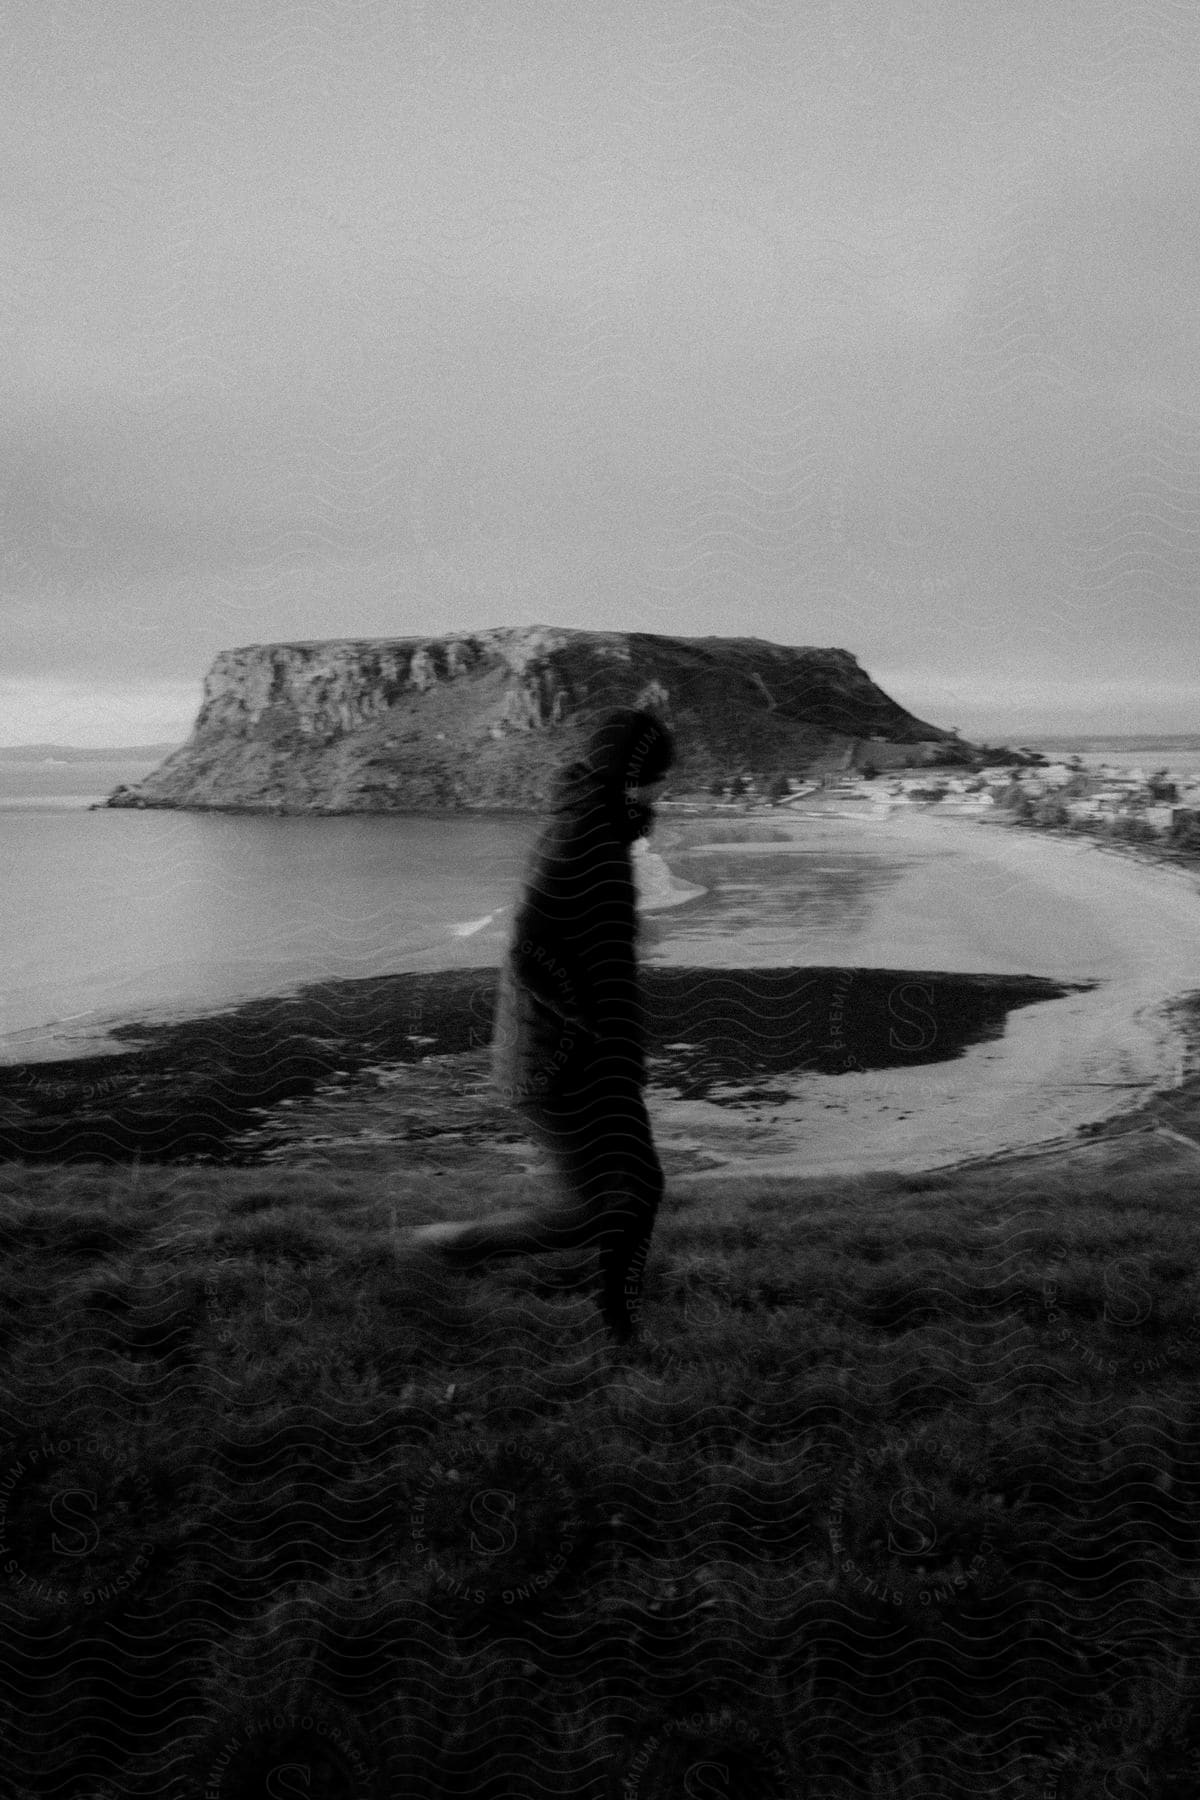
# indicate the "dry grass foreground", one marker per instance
pixel 898 1493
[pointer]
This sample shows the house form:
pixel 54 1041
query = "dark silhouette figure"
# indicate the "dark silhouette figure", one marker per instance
pixel 569 1037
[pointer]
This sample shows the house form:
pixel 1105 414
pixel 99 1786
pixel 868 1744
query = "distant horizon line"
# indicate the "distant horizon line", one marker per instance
pixel 1012 740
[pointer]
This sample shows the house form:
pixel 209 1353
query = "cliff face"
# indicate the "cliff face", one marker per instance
pixel 397 724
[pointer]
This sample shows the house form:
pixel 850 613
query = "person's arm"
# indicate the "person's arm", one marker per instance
pixel 605 944
pixel 573 945
pixel 547 963
pixel 616 1006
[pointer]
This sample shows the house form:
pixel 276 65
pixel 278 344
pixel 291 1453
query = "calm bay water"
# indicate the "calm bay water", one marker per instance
pixel 112 915
pixel 108 915
pixel 1180 753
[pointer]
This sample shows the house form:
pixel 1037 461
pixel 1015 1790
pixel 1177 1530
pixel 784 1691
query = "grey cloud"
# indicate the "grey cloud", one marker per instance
pixel 869 325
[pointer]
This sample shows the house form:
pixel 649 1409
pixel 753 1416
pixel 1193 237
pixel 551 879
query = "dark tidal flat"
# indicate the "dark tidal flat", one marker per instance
pixel 204 1090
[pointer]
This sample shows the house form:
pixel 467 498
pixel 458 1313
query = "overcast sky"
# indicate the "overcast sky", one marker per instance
pixel 871 324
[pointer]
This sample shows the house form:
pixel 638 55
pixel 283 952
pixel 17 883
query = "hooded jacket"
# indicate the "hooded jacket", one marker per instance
pixel 568 1008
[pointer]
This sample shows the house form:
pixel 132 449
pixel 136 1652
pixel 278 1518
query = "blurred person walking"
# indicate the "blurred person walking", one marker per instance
pixel 569 1034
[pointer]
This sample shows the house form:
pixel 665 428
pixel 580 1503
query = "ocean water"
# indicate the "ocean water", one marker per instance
pixel 51 783
pixel 114 915
pixel 1180 753
pixel 108 915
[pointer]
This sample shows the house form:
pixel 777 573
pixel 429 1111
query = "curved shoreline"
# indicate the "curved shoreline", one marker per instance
pixel 368 1061
pixel 1060 1069
pixel 658 889
pixel 1068 1064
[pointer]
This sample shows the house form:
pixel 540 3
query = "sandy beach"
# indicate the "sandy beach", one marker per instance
pixel 1132 926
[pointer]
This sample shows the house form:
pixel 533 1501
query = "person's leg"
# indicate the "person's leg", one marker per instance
pixel 635 1188
pixel 609 1167
pixel 564 1223
pixel 603 1152
pixel 621 1266
pixel 522 1232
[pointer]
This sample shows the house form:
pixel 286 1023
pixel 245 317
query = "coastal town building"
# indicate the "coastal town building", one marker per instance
pixel 1127 802
pixel 1163 805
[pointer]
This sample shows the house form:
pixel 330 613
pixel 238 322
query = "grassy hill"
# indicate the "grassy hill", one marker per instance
pixel 896 1495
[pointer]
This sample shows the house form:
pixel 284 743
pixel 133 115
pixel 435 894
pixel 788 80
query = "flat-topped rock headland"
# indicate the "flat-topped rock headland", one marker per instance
pixel 484 719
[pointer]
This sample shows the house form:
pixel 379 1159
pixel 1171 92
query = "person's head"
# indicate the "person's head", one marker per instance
pixel 629 753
